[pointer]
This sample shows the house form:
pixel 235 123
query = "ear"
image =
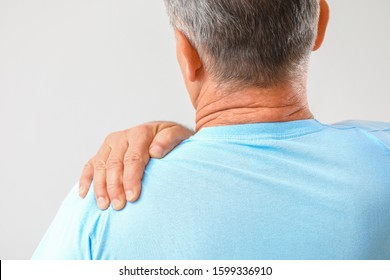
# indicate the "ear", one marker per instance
pixel 188 58
pixel 322 24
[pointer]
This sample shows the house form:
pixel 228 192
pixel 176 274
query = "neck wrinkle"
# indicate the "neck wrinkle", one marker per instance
pixel 254 105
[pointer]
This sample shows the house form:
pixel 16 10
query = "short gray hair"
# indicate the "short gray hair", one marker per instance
pixel 248 42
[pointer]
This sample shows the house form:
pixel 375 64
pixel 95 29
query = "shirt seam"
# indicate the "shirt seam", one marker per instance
pixel 91 237
pixel 258 137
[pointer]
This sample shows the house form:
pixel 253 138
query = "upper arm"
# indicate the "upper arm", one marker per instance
pixel 68 237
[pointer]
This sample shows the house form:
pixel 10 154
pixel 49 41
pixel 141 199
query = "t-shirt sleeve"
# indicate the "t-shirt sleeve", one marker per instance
pixel 68 237
pixel 380 130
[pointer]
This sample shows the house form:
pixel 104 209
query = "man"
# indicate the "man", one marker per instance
pixel 260 179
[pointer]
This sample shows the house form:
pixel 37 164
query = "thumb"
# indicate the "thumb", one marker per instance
pixel 167 139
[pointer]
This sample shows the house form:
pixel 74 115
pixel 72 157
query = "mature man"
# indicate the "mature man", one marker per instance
pixel 260 179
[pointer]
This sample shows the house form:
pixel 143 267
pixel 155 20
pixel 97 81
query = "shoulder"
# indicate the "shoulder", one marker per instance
pixel 71 233
pixel 82 216
pixel 379 130
pixel 370 126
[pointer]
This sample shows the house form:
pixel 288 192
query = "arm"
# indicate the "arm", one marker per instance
pixel 117 169
pixel 67 237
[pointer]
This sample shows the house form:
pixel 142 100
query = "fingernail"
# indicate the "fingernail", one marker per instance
pixel 116 204
pixel 156 151
pixel 101 202
pixel 129 195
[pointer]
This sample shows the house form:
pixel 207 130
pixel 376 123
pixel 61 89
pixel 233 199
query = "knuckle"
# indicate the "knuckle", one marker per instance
pixel 109 137
pixel 86 175
pixel 87 166
pixel 111 187
pixel 114 136
pixel 170 137
pixel 100 165
pixel 133 158
pixel 132 180
pixel 98 186
pixel 140 131
pixel 117 139
pixel 113 163
pixel 104 148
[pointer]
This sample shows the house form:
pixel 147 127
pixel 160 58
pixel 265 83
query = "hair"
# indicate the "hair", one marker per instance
pixel 248 42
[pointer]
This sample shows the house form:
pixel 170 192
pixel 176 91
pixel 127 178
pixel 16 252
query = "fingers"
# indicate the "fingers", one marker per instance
pixel 114 171
pixel 86 179
pixel 118 167
pixel 135 160
pixel 144 142
pixel 167 139
pixel 99 176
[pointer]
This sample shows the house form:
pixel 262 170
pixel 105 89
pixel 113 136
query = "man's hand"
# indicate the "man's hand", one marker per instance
pixel 118 167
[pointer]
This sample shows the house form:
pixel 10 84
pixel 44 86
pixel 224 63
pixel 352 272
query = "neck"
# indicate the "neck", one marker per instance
pixel 288 102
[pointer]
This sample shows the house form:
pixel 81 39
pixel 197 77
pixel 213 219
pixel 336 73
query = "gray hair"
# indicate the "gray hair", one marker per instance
pixel 248 42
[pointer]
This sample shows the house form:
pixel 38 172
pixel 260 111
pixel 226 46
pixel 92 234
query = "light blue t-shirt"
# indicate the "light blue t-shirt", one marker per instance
pixel 292 190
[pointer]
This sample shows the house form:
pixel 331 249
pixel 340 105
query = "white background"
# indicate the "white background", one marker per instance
pixel 73 71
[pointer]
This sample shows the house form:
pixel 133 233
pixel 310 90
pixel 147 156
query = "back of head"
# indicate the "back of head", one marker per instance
pixel 248 42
